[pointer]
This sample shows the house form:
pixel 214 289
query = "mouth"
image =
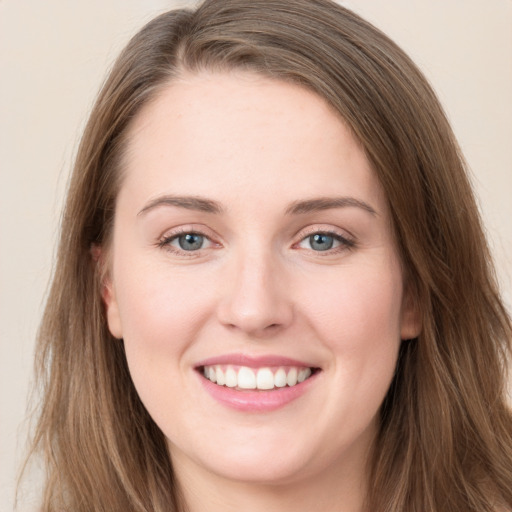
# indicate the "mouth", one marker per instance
pixel 265 378
pixel 256 384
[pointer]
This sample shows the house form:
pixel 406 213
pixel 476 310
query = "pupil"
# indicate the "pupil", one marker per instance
pixel 190 242
pixel 321 242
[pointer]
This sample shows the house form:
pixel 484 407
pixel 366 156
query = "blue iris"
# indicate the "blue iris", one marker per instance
pixel 321 242
pixel 190 242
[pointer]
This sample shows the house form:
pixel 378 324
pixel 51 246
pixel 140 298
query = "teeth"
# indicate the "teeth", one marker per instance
pixel 280 378
pixel 244 377
pixel 231 378
pixel 265 379
pixel 219 374
pixel 291 378
pixel 303 374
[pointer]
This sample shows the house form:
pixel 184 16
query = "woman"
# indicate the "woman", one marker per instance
pixel 273 289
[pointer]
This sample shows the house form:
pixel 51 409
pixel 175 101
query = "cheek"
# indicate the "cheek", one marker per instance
pixel 357 315
pixel 161 313
pixel 363 300
pixel 360 324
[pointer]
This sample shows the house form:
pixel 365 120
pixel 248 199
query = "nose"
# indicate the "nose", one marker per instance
pixel 255 298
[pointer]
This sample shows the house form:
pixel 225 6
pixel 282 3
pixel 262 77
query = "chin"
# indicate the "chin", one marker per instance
pixel 270 457
pixel 263 469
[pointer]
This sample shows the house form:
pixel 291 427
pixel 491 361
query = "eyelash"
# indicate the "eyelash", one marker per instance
pixel 165 242
pixel 346 244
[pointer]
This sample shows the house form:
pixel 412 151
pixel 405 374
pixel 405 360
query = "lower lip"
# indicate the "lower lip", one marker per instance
pixel 257 401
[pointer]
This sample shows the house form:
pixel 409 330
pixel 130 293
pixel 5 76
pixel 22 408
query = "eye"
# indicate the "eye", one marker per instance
pixel 321 242
pixel 189 241
pixel 325 242
pixel 185 242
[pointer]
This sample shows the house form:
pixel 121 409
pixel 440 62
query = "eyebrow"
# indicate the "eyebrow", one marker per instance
pixel 296 208
pixel 327 203
pixel 188 202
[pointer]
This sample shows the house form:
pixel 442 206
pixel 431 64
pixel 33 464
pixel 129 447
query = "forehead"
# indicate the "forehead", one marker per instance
pixel 224 131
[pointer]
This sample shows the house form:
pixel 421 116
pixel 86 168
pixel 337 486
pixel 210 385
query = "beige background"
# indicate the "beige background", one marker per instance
pixel 53 56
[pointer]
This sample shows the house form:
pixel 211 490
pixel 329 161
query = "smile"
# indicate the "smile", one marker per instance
pixel 264 379
pixel 256 384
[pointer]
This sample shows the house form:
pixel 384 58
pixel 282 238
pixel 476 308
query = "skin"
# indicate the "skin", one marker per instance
pixel 256 287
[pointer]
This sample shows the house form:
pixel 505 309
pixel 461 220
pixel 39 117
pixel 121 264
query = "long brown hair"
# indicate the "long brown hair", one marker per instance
pixel 445 439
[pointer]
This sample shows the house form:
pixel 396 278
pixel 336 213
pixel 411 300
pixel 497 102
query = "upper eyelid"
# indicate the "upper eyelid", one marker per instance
pixel 188 228
pixel 174 236
pixel 330 230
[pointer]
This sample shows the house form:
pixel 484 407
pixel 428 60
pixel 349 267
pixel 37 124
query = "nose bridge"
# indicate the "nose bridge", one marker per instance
pixel 255 299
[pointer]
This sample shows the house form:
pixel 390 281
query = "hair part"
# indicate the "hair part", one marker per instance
pixel 445 441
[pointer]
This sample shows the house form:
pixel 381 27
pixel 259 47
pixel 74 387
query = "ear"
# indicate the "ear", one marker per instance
pixel 411 322
pixel 108 294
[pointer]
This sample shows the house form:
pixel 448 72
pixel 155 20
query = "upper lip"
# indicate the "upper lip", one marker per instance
pixel 253 361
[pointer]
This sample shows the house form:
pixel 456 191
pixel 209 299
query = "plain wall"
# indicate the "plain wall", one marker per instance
pixel 53 57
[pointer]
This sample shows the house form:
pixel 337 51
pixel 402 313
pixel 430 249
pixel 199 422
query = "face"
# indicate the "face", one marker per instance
pixel 254 280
